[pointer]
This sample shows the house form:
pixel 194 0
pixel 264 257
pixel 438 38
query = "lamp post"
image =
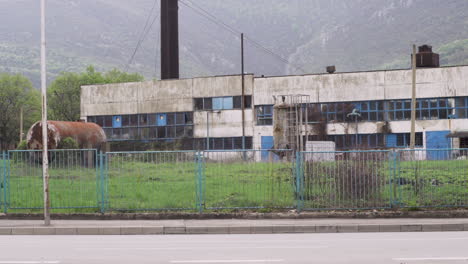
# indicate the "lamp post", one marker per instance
pixel 356 114
pixel 45 160
pixel 207 130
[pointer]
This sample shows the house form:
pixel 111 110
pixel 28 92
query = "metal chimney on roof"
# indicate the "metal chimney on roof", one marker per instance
pixel 425 58
pixel 331 69
pixel 169 39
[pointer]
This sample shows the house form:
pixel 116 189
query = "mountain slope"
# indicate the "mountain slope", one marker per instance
pixel 351 34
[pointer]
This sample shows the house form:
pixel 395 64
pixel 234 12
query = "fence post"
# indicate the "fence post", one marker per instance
pixel 102 164
pixel 200 181
pixel 299 182
pixel 4 182
pixel 395 186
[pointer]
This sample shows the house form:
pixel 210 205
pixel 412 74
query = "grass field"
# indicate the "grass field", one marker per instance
pixel 164 183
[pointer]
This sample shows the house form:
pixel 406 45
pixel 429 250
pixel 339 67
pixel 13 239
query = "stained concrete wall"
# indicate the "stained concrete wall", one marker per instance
pixel 173 96
pixel 157 96
pixel 361 86
pixel 177 96
pixel 227 123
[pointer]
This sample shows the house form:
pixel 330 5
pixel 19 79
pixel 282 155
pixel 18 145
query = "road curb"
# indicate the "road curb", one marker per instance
pixel 250 229
pixel 339 214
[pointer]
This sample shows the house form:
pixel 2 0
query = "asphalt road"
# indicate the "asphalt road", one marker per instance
pixel 362 248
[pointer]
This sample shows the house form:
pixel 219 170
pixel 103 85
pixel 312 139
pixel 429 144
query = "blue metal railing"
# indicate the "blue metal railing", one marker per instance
pixel 88 181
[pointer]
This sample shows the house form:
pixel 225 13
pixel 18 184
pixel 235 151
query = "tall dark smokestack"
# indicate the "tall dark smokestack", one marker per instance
pixel 169 39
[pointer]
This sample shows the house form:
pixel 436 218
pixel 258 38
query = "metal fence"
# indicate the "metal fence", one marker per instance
pixel 432 178
pixel 240 179
pixel 88 181
pixel 152 181
pixel 344 180
pixel 3 182
pixel 72 173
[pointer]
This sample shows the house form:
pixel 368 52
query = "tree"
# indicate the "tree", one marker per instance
pixel 16 91
pixel 64 92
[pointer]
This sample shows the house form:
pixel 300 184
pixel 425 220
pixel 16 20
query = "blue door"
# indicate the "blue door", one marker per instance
pixel 391 140
pixel 161 119
pixel 268 144
pixel 437 140
pixel 117 121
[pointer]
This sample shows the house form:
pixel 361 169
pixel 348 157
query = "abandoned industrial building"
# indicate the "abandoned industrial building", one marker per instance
pixel 356 110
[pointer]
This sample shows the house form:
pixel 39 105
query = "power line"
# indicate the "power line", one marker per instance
pixel 143 34
pixel 236 32
pixel 156 53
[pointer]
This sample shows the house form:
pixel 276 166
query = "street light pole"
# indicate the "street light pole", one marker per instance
pixel 413 99
pixel 356 114
pixel 207 130
pixel 45 159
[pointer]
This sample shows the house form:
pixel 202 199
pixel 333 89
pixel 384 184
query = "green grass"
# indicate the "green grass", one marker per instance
pixel 137 185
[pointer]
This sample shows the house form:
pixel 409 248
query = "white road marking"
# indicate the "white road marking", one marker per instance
pixel 429 259
pixel 229 261
pixel 28 262
pixel 191 248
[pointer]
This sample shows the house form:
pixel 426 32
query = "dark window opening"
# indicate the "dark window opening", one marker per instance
pixel 170 132
pixel 248 101
pixel 198 102
pixel 161 132
pixel 170 119
pixel 237 102
pixel 404 139
pixel 464 142
pixel 143 120
pixel 180 119
pixel 207 103
pixel 189 118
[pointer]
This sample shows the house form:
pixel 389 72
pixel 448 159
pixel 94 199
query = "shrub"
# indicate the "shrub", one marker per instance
pixel 68 143
pixel 23 145
pixel 355 181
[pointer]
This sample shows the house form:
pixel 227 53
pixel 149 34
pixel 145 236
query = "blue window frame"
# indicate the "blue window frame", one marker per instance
pixel 434 108
pixel 222 103
pixel 371 110
pixel 160 126
pixel 161 119
pixel 229 143
pixel 264 114
pixel 227 103
pixel 461 107
pixel 403 139
pixel 117 121
pixel 217 103
pixel 365 141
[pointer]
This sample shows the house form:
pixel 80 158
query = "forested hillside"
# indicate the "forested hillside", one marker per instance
pixel 310 34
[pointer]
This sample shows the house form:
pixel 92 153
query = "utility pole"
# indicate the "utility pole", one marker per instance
pixel 21 125
pixel 243 91
pixel 45 160
pixel 413 99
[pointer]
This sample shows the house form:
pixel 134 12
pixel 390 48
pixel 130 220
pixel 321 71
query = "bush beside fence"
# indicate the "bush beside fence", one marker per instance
pixel 88 181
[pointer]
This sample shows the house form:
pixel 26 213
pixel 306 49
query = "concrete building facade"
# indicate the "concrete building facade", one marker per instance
pixel 206 112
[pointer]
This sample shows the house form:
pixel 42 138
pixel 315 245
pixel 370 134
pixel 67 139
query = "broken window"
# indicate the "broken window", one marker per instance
pixel 264 114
